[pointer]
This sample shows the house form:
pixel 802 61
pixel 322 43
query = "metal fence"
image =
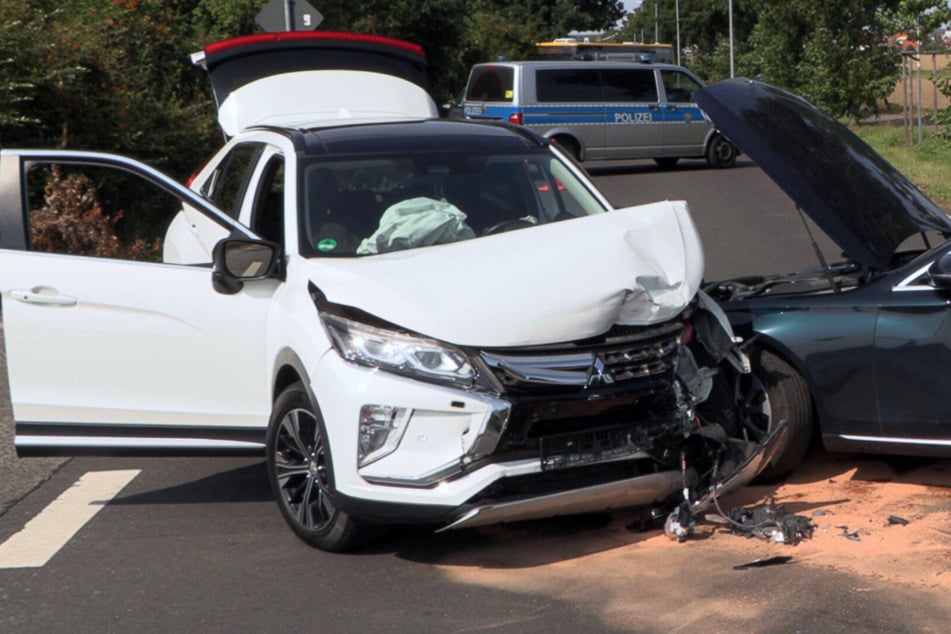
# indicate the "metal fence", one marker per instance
pixel 916 93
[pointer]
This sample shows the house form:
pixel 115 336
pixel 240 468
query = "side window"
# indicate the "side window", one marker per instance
pixel 679 86
pixel 629 86
pixel 91 210
pixel 228 183
pixel 267 218
pixel 491 83
pixel 569 85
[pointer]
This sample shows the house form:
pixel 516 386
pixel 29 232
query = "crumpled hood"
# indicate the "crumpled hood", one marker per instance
pixel 863 203
pixel 552 283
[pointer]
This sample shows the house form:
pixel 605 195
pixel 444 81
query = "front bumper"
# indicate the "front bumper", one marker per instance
pixel 580 428
pixel 646 490
pixel 642 491
pixel 453 447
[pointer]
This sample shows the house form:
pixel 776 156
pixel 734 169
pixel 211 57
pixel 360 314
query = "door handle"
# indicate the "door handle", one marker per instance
pixel 43 295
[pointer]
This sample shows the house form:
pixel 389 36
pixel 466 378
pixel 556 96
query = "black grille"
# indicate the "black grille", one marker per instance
pixel 560 451
pixel 623 357
pixel 602 395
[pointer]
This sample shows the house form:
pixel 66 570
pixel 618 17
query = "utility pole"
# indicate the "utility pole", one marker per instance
pixel 677 11
pixel 656 33
pixel 288 15
pixel 918 58
pixel 732 68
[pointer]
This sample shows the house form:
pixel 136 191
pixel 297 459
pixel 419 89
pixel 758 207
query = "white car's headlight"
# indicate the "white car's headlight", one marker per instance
pixel 417 357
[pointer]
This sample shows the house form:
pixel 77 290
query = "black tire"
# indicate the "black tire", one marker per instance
pixel 300 469
pixel 569 145
pixel 775 392
pixel 721 153
pixel 667 161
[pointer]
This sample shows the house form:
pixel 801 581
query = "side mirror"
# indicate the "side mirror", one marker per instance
pixel 940 272
pixel 241 260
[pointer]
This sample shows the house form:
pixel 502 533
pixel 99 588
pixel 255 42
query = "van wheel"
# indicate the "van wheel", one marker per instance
pixel 721 153
pixel 300 470
pixel 667 161
pixel 569 145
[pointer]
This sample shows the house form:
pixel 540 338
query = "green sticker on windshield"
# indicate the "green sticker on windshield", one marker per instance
pixel 327 244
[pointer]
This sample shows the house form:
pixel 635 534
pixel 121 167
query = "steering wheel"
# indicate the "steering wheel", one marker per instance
pixel 508 225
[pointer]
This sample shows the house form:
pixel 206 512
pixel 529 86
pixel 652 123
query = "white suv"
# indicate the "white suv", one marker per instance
pixel 415 320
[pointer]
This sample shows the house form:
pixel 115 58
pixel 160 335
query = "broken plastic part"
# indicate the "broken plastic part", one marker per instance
pixel 768 521
pixel 851 536
pixel 760 563
pixel 754 458
pixel 713 327
pixel 680 524
pixel 697 380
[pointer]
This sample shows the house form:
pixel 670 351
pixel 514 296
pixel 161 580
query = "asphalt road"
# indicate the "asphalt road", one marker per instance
pixel 198 545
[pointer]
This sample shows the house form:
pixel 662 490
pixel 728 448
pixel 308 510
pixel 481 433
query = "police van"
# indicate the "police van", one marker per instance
pixel 601 110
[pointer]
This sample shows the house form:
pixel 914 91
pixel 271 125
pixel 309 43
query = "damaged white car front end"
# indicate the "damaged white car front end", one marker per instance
pixel 572 387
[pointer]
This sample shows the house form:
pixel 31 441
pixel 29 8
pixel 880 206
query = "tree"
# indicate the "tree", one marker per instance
pixel 833 54
pixel 114 75
pixel 919 19
pixel 106 76
pixel 704 31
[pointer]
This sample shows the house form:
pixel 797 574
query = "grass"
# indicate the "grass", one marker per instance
pixel 927 165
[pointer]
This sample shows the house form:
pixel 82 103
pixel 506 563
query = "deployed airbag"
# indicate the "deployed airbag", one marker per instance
pixel 417 222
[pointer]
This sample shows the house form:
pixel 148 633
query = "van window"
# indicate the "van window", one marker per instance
pixel 491 83
pixel 634 85
pixel 679 86
pixel 568 85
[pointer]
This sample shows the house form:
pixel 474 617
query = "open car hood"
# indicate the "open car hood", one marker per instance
pixel 858 198
pixel 551 283
pixel 307 79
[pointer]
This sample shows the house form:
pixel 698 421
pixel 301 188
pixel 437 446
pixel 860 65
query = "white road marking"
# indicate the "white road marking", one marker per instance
pixel 44 535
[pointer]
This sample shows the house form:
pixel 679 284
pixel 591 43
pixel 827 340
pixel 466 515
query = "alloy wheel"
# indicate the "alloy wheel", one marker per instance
pixel 301 467
pixel 753 408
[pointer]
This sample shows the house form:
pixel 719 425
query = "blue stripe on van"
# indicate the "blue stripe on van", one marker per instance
pixel 620 114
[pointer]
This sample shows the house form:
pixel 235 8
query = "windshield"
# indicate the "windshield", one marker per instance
pixel 377 204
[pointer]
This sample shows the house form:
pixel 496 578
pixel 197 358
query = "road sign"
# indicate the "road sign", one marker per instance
pixel 288 15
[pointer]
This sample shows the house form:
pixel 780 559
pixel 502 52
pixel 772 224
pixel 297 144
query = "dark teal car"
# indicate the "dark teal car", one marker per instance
pixel 859 349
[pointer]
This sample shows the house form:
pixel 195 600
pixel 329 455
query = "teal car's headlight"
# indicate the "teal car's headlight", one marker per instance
pixel 417 357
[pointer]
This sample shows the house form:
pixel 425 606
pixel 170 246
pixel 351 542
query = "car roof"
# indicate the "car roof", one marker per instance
pixel 568 63
pixel 425 135
pixel 418 136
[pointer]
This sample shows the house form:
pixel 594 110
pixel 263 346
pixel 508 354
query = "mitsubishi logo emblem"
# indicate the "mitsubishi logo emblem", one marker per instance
pixel 597 374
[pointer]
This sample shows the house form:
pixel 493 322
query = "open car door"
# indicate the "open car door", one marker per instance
pixel 111 350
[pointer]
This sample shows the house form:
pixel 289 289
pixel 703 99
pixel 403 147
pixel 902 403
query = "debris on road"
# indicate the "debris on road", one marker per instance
pixel 768 521
pixel 900 521
pixel 760 563
pixel 853 536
